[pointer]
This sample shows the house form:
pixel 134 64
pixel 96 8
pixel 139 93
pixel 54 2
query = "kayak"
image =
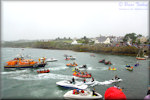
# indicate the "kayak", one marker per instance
pixel 84 76
pixel 68 84
pixel 112 69
pixel 86 95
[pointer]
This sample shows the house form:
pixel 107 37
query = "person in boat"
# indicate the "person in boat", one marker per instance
pixel 94 94
pixel 92 79
pixel 84 80
pixel 127 65
pixel 84 66
pixel 86 73
pixel 148 92
pixel 109 68
pixel 73 80
pixel 74 63
pixel 116 77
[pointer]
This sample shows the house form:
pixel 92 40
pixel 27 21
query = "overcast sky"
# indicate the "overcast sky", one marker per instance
pixel 51 19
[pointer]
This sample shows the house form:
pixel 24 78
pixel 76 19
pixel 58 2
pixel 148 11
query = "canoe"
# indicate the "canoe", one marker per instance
pixel 68 84
pixel 86 95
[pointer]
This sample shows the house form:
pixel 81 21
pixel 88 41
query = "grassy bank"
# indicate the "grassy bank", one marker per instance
pixel 97 48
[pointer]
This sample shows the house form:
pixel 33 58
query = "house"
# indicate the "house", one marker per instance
pixel 75 42
pixel 143 39
pixel 102 39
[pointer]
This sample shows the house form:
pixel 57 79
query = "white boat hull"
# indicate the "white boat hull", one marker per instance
pixel 67 84
pixel 86 95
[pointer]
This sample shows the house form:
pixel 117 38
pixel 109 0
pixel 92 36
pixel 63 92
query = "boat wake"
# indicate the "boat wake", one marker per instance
pixel 15 72
pixel 105 82
pixel 42 76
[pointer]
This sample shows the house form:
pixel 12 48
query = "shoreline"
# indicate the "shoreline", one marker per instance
pixel 106 53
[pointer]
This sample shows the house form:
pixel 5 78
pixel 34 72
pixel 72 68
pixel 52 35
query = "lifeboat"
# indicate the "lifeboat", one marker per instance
pixel 43 71
pixel 81 75
pixel 23 63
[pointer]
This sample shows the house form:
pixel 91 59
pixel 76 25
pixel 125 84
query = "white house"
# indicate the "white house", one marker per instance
pixel 74 42
pixel 102 39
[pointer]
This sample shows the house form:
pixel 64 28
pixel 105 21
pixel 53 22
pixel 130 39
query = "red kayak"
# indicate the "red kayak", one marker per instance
pixel 113 93
pixel 84 76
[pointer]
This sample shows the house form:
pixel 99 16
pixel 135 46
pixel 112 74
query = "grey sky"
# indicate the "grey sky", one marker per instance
pixel 51 19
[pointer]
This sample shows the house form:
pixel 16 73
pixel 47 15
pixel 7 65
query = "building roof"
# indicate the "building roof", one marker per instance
pixel 101 39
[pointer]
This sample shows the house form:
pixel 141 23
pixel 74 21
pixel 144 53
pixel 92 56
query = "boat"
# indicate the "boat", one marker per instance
pixel 51 60
pixel 114 93
pixel 87 95
pixel 84 66
pixel 43 71
pixel 102 61
pixel 130 68
pixel 24 63
pixel 71 58
pixel 107 63
pixel 68 84
pixel 141 55
pixel 81 75
pixel 71 65
pixel 112 69
pixel 21 62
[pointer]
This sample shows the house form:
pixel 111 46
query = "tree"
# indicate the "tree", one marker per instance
pixel 131 36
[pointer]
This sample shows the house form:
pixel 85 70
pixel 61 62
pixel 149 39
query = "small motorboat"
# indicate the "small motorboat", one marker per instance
pixel 51 60
pixel 70 85
pixel 43 71
pixel 82 94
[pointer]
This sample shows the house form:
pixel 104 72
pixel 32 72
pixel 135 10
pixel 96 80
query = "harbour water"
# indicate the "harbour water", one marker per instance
pixel 28 84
